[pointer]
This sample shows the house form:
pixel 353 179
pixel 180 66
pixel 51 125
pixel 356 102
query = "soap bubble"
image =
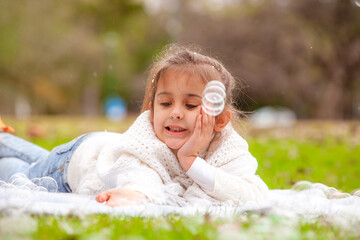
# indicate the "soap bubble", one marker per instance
pixel 330 191
pixel 301 185
pixel 320 186
pixel 213 98
pixel 357 193
pixel 5 185
pixel 47 183
pixel 339 195
pixel 357 3
pixel 21 181
pixel 20 193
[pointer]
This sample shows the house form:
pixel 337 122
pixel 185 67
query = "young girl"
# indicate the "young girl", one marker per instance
pixel 174 153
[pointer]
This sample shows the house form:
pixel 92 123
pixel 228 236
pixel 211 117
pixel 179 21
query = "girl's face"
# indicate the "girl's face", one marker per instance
pixel 177 103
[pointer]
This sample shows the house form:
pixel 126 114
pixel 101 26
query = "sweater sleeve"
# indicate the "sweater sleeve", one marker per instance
pixel 224 186
pixel 203 174
pixel 235 178
pixel 129 172
pixel 240 189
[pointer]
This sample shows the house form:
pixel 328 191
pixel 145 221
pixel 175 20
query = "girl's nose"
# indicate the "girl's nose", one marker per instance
pixel 176 114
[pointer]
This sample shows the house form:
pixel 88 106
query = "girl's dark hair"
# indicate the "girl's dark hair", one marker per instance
pixel 190 61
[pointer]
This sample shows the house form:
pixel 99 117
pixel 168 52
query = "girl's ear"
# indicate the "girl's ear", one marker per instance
pixel 222 120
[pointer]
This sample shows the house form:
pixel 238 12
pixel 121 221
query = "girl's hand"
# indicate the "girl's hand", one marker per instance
pixel 204 127
pixel 117 197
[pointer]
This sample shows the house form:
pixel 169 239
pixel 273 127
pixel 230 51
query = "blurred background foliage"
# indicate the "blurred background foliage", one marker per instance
pixel 67 57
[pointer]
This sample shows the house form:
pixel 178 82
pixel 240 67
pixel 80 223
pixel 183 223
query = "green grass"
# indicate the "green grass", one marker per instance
pixel 283 162
pixel 249 226
pixel 104 226
pixel 325 152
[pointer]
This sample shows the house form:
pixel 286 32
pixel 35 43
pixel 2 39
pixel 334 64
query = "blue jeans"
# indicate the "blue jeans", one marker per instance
pixel 18 155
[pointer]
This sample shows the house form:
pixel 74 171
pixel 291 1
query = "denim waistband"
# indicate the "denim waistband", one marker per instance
pixel 59 160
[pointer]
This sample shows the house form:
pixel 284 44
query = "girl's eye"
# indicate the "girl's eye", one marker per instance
pixel 165 104
pixel 191 106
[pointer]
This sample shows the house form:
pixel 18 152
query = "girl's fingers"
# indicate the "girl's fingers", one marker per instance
pixel 103 197
pixel 198 124
pixel 208 123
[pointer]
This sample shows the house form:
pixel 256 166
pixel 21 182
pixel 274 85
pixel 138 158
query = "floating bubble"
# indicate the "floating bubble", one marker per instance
pixel 21 181
pixel 339 195
pixel 330 191
pixel 301 185
pixel 2 183
pixel 46 183
pixel 357 3
pixel 5 185
pixel 320 186
pixel 213 98
pixel 357 193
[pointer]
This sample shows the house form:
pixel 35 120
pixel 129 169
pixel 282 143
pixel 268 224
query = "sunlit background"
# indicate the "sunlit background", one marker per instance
pixel 83 57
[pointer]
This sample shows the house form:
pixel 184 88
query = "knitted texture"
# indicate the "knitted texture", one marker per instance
pixel 160 176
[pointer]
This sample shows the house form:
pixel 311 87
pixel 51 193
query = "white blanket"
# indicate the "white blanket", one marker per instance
pixel 26 197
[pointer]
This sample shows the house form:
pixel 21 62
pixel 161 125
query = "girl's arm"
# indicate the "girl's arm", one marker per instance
pixel 130 182
pixel 234 181
pixel 237 182
pixel 240 189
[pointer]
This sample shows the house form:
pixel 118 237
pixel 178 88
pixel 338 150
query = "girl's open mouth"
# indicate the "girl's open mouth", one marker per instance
pixel 175 130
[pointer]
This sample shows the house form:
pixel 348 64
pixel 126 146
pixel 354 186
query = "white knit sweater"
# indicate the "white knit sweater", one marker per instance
pixel 138 160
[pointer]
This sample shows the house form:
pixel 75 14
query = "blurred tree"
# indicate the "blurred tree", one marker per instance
pixel 67 56
pixel 301 54
pixel 335 34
